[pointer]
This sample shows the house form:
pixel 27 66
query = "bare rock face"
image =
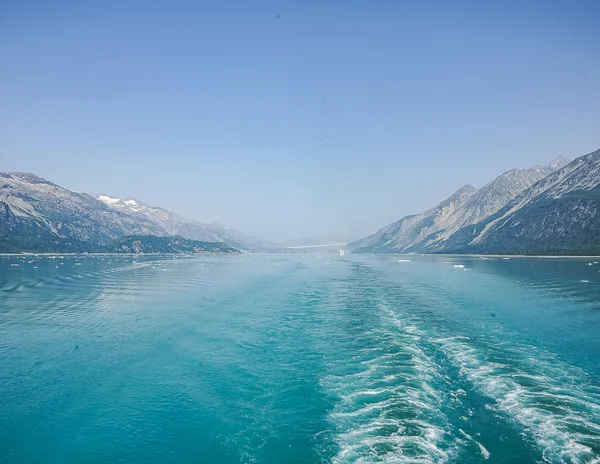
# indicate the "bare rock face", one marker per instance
pixel 38 215
pixel 173 224
pixel 544 209
pixel 410 230
pixel 557 215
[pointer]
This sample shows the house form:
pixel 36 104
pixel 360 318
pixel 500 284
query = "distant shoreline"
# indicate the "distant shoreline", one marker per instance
pixel 479 255
pixel 202 253
pixel 512 256
pixel 449 255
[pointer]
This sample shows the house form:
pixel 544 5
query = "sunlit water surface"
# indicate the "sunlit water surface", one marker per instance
pixel 299 359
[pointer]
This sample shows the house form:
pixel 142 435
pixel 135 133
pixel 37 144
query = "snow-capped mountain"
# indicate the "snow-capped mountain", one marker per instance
pixel 38 215
pixel 169 222
pixel 429 231
pixel 41 215
pixel 172 224
pixel 553 208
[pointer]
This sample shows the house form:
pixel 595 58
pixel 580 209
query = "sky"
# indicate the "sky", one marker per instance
pixel 297 118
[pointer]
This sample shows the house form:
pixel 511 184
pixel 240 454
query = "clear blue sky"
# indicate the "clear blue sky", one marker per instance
pixel 288 119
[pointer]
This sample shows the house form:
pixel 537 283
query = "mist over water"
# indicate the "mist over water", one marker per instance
pixel 291 358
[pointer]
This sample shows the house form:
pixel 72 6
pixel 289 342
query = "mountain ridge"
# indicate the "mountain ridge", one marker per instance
pixel 413 228
pixel 39 215
pixel 173 224
pixel 560 213
pixel 456 230
pixel 551 208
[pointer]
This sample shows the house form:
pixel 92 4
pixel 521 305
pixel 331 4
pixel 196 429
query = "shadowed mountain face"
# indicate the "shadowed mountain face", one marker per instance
pixel 487 201
pixel 559 214
pixel 443 229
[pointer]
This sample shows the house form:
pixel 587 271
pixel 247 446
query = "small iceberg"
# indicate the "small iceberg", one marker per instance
pixel 404 261
pixel 459 266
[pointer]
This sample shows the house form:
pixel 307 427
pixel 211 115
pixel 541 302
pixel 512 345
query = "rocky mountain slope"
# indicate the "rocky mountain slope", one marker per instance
pixel 560 214
pixel 38 215
pixel 172 224
pixel 431 230
pixel 410 230
pixel 488 200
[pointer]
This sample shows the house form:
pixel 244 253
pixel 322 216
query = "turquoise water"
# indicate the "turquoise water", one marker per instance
pixel 299 359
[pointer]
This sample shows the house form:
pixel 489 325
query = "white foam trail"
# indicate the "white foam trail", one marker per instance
pixel 389 410
pixel 484 452
pixel 551 403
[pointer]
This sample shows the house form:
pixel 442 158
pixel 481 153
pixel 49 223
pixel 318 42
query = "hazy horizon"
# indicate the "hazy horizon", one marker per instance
pixel 330 237
pixel 287 121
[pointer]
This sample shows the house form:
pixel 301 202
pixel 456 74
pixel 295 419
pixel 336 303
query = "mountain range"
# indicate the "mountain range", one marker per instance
pixel 544 209
pixel 39 216
pixel 171 223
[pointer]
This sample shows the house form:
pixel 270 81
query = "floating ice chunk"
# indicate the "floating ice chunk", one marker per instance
pixel 404 261
pixel 459 266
